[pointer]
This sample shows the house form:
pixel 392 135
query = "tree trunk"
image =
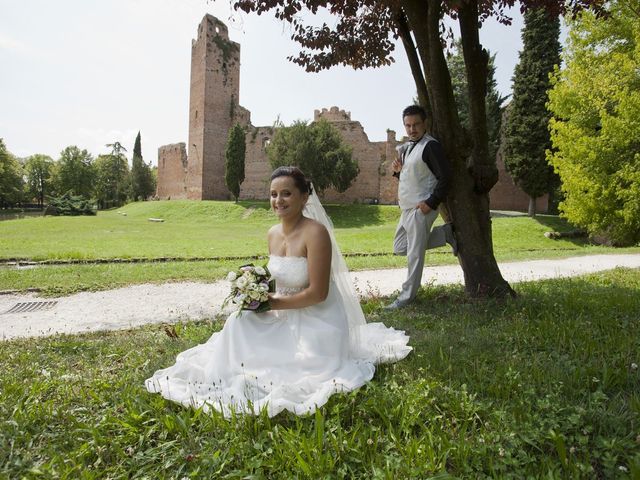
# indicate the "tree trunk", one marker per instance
pixel 476 60
pixel 468 205
pixel 532 207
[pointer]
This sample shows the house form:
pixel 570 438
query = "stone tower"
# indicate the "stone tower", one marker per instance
pixel 213 108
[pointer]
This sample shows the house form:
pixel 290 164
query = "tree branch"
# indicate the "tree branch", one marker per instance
pixel 414 63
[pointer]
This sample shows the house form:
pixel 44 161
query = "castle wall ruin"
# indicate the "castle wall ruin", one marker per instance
pixel 214 108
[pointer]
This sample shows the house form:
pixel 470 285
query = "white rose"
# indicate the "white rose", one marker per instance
pixel 231 276
pixel 260 271
pixel 241 282
pixel 253 295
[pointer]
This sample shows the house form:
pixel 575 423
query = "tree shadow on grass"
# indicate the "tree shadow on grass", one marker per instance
pixel 354 216
pixel 557 224
pixel 564 332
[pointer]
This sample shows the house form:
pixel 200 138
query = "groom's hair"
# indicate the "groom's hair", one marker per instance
pixel 414 110
pixel 299 178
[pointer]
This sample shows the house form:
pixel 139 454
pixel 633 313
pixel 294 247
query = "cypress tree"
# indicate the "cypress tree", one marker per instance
pixel 527 135
pixel 137 147
pixel 234 164
pixel 142 183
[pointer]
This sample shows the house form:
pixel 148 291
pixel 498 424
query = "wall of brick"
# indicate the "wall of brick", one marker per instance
pixel 366 186
pixel 172 172
pixel 506 195
pixel 388 183
pixel 256 168
pixel 213 107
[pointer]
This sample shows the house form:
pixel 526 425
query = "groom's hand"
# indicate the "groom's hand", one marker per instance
pixel 424 208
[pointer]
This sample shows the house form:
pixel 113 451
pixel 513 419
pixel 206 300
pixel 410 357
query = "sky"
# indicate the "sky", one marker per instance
pixel 90 73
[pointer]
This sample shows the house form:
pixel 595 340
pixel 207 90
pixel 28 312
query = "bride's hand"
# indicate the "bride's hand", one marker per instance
pixel 274 299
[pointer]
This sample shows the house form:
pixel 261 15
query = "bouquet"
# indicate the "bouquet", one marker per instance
pixel 250 288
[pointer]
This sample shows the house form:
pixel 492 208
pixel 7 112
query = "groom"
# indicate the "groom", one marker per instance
pixel 425 175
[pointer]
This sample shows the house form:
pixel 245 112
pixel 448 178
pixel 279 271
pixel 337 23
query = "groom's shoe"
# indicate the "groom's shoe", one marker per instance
pixel 395 305
pixel 450 237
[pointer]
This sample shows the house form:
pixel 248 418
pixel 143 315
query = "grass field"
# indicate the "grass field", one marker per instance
pixel 545 386
pixel 214 231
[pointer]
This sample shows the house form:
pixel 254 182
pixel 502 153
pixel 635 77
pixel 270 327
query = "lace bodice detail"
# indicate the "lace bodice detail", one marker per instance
pixel 291 273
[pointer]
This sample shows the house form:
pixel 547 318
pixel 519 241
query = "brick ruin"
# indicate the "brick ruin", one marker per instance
pixel 196 171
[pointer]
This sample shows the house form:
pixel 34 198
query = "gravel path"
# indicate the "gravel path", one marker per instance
pixel 141 304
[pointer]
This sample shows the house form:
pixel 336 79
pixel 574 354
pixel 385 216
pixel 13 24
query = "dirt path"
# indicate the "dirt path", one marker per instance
pixel 141 304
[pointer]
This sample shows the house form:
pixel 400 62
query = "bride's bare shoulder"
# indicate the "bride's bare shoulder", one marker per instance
pixel 315 227
pixel 316 233
pixel 274 229
pixel 274 232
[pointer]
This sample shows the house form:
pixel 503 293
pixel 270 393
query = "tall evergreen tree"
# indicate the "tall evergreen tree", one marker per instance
pixel 142 182
pixel 137 146
pixel 527 125
pixel 234 165
pixel 493 100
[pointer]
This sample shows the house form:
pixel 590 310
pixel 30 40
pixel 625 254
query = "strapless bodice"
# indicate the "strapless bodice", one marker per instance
pixel 291 273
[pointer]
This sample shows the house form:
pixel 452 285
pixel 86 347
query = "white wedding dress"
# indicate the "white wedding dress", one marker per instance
pixel 281 359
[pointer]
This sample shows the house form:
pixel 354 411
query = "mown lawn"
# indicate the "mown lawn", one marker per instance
pixel 544 386
pixel 212 232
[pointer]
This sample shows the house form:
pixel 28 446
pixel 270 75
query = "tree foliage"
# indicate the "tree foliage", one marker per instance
pixel 142 182
pixel 318 149
pixel 595 127
pixel 75 172
pixel 112 180
pixel 526 130
pixel 234 160
pixel 38 169
pixel 69 205
pixel 11 182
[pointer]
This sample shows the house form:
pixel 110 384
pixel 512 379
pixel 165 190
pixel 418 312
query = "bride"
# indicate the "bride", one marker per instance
pixel 314 341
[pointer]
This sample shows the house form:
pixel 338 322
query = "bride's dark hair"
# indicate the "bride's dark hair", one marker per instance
pixel 299 178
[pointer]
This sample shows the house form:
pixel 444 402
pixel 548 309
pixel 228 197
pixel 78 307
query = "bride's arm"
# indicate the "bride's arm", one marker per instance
pixel 318 246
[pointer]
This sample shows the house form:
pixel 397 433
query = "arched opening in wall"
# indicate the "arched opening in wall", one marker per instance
pixel 266 142
pixel 196 114
pixel 217 29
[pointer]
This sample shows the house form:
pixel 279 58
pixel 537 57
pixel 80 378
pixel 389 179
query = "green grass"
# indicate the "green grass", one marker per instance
pixel 543 386
pixel 217 230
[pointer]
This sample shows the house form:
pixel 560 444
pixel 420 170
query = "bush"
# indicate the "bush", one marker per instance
pixel 70 205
